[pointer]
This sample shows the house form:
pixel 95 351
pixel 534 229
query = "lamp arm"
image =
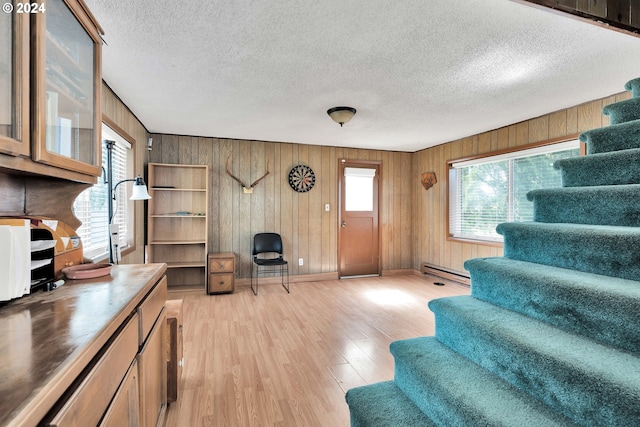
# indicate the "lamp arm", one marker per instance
pixel 120 182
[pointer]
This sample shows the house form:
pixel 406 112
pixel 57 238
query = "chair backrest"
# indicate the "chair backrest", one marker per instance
pixel 267 242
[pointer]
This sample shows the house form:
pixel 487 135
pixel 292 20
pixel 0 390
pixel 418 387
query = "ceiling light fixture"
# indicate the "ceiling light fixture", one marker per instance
pixel 341 115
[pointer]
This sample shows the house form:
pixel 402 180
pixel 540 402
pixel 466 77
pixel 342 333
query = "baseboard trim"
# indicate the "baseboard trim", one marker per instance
pixel 445 273
pixel 299 278
pixel 400 272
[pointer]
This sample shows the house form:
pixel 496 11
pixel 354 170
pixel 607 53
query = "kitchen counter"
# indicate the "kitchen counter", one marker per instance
pixel 48 338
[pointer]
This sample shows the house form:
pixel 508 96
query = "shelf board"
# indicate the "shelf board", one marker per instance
pixel 177 216
pixel 194 264
pixel 178 242
pixel 186 288
pixel 179 189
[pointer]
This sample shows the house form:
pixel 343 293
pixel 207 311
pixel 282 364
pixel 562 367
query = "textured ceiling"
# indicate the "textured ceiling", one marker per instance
pixel 420 73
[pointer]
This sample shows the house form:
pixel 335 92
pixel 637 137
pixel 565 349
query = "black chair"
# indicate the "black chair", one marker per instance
pixel 268 243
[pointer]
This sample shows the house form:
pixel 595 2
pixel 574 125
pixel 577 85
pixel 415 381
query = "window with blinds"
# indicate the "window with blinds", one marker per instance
pixel 487 191
pixel 91 206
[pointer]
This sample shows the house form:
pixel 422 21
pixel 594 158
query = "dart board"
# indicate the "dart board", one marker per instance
pixel 302 178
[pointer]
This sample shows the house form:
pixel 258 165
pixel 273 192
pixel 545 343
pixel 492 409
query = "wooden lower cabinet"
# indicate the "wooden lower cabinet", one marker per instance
pixel 125 407
pixel 126 384
pixel 153 375
pixel 88 402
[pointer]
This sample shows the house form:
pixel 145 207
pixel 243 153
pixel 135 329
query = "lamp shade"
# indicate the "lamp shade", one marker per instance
pixel 139 191
pixel 341 115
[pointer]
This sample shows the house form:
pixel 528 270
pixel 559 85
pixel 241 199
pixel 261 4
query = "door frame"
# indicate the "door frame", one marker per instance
pixel 342 163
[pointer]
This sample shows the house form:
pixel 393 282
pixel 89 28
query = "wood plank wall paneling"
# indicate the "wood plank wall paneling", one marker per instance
pixel 117 111
pixel 430 210
pixel 308 231
pixel 412 220
pixel 614 14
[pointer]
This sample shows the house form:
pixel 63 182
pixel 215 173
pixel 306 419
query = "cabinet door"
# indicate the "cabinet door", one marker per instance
pixel 153 375
pixel 67 84
pixel 14 82
pixel 125 407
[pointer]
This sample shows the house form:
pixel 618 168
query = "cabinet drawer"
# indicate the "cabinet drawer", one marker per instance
pixel 150 308
pixel 220 283
pixel 91 398
pixel 220 265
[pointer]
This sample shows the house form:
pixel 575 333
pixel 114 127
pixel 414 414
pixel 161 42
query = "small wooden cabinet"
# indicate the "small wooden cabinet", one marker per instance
pixel 222 269
pixel 178 223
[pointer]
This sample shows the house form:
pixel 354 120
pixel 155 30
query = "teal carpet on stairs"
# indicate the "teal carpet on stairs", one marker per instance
pixel 550 335
pixel 615 168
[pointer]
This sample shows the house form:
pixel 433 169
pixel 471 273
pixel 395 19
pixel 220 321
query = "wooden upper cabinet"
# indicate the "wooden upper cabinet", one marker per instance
pixel 14 84
pixel 66 86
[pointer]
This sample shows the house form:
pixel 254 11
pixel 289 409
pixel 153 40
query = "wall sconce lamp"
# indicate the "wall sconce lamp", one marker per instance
pixel 139 192
pixel 341 115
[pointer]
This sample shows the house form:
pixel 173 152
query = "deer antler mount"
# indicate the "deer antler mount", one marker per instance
pixel 247 189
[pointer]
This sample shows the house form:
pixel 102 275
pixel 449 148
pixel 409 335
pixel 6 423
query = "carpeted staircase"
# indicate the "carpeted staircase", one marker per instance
pixel 550 335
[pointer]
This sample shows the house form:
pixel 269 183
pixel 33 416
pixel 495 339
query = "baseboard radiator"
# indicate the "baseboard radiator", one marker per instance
pixel 445 273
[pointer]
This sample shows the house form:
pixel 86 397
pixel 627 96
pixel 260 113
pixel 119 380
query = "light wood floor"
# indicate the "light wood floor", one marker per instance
pixel 281 359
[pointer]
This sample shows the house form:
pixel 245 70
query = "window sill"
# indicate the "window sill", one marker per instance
pixel 475 241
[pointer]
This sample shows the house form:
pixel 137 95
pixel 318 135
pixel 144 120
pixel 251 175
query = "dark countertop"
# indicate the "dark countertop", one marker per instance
pixel 48 338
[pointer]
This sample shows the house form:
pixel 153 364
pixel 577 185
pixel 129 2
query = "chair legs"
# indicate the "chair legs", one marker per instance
pixel 283 269
pixel 255 291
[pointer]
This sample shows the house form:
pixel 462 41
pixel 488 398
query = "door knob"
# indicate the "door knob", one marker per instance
pixel 344 223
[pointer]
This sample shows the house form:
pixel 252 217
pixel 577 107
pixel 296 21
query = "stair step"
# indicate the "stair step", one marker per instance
pixel 598 249
pixel 634 87
pixel 384 405
pixel 615 168
pixel 453 391
pixel 592 384
pixel 603 308
pixel 612 138
pixel 623 111
pixel 605 205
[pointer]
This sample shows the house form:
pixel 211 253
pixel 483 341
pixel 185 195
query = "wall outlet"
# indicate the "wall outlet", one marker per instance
pixel 300 261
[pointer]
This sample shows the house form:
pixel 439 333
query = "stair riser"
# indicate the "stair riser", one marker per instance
pixel 591 251
pixel 603 206
pixel 565 387
pixel 617 168
pixel 589 305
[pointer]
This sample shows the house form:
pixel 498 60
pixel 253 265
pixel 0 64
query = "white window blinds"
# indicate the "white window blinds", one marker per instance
pixel 91 205
pixel 488 191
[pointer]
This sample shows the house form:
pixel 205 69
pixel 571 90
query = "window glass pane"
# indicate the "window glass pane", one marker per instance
pixel 6 74
pixel 91 206
pixel 358 193
pixel 70 85
pixel 485 193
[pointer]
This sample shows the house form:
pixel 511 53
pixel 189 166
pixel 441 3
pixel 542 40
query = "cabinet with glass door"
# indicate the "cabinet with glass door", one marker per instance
pixel 14 83
pixel 66 58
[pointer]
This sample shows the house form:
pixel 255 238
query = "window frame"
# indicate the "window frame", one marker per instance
pixel 507 151
pixel 114 132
